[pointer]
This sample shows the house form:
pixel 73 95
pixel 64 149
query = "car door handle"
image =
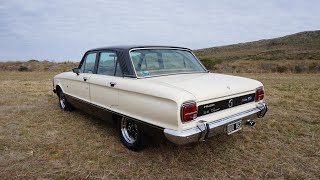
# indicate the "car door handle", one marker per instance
pixel 85 79
pixel 112 84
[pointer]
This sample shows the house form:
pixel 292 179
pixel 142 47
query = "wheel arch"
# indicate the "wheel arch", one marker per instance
pixel 116 118
pixel 58 90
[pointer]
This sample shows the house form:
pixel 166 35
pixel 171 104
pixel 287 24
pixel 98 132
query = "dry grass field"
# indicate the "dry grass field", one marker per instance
pixel 38 140
pixel 295 53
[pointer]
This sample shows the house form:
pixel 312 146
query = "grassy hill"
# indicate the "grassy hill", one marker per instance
pixel 35 65
pixel 300 46
pixel 298 52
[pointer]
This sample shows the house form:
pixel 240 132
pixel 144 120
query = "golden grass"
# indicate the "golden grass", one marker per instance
pixel 259 66
pixel 35 65
pixel 299 46
pixel 37 140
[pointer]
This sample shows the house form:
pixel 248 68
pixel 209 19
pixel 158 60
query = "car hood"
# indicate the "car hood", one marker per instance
pixel 207 86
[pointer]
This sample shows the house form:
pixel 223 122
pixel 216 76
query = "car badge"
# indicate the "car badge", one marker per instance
pixel 230 104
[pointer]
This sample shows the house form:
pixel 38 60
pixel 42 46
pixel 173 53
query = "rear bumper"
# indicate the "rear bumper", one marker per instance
pixel 205 129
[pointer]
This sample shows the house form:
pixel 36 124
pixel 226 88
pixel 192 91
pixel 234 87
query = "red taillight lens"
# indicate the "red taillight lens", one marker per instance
pixel 259 94
pixel 189 112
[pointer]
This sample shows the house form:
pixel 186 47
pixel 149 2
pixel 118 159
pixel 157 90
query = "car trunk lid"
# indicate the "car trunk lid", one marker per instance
pixel 209 86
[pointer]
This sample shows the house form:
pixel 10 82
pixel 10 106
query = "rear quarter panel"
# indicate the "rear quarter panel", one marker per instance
pixel 152 103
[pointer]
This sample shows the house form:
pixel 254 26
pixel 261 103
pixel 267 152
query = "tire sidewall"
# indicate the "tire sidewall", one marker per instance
pixel 61 94
pixel 137 144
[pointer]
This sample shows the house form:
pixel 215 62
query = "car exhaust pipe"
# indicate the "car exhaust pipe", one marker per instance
pixel 251 123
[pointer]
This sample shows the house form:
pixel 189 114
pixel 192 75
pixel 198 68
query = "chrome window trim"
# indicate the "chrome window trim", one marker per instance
pixel 165 48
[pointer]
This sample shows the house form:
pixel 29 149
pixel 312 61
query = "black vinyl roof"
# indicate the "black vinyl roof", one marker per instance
pixel 128 47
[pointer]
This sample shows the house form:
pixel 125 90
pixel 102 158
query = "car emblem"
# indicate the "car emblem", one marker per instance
pixel 244 100
pixel 230 104
pixel 209 105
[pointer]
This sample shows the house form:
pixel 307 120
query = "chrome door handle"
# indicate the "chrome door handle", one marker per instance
pixel 85 79
pixel 112 84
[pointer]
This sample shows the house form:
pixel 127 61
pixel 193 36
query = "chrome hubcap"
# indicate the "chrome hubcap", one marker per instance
pixel 62 101
pixel 129 130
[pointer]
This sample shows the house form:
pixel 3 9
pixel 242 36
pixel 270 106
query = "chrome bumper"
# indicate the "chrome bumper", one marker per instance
pixel 205 129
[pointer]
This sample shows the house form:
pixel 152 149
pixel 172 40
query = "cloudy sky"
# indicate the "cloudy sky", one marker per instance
pixel 60 30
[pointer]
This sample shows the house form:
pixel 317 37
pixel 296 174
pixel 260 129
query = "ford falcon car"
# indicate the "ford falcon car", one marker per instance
pixel 149 89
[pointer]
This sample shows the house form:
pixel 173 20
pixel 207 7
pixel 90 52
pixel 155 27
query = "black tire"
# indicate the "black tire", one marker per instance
pixel 63 103
pixel 130 134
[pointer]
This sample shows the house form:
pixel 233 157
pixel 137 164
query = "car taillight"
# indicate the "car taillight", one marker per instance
pixel 189 111
pixel 259 94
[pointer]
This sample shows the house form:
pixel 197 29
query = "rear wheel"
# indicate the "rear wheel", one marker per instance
pixel 64 104
pixel 130 134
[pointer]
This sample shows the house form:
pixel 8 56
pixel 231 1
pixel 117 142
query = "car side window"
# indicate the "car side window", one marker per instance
pixel 108 64
pixel 88 63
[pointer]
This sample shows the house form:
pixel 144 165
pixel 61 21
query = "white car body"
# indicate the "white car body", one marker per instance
pixel 157 100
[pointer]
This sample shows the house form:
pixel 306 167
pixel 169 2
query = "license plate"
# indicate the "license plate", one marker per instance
pixel 234 127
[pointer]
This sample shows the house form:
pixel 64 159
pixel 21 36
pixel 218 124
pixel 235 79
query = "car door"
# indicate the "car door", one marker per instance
pixel 79 88
pixel 103 84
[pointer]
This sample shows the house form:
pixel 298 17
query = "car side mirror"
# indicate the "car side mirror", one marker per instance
pixel 76 70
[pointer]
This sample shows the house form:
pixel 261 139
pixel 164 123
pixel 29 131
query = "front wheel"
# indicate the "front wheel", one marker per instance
pixel 130 134
pixel 64 104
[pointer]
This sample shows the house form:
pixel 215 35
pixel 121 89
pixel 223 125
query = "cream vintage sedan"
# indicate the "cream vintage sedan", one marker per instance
pixel 150 89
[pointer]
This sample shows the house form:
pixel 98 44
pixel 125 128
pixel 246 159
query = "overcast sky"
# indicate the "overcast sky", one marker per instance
pixel 60 30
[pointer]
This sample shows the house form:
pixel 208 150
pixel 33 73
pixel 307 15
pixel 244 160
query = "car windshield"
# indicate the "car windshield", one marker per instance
pixel 154 62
